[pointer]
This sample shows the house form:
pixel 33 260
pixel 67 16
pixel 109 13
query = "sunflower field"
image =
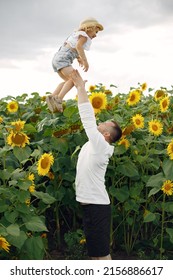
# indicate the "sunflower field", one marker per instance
pixel 38 155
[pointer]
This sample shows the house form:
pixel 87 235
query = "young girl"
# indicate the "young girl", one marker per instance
pixel 72 48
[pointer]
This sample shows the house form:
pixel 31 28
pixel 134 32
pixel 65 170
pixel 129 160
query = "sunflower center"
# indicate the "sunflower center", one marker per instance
pixel 164 104
pixel 167 187
pixel 138 122
pixel 97 102
pixel 154 127
pixel 18 139
pixel 132 97
pixel 44 163
pixel 160 94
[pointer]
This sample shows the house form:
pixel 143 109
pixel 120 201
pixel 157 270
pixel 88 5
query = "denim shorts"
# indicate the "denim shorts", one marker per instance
pixel 63 58
pixel 96 222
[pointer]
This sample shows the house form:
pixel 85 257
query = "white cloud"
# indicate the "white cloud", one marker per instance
pixel 135 46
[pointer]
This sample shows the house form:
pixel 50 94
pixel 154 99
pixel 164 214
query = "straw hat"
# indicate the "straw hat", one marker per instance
pixel 90 22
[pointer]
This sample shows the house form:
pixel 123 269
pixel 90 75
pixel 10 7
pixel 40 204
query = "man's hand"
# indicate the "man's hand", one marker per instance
pixel 77 79
pixel 80 85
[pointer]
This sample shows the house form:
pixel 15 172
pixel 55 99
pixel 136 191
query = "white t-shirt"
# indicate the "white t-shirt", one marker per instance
pixel 73 38
pixel 92 161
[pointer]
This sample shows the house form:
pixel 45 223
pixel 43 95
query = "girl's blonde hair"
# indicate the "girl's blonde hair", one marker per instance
pixel 90 23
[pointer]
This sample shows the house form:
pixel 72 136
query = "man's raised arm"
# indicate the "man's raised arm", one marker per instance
pixel 80 85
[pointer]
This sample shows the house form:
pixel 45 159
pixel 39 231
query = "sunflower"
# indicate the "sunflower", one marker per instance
pixel 43 98
pixel 144 86
pixel 51 175
pixel 32 188
pixel 116 100
pixel 60 132
pixel 98 101
pixel 82 241
pixel 91 88
pixel 128 130
pixel 134 97
pixel 109 106
pixel 43 235
pixel 31 177
pixel 18 125
pixel 170 130
pixel 1 119
pixel 138 121
pixel 170 150
pixel 167 187
pixel 159 94
pixel 44 164
pixel 28 201
pixel 164 104
pixel 155 127
pixel 124 142
pixel 18 139
pixel 108 92
pixel 4 244
pixel 12 107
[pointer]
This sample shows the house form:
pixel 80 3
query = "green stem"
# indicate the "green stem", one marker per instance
pixel 162 228
pixel 57 225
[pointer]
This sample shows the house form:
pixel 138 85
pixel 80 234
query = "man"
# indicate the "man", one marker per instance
pixel 90 178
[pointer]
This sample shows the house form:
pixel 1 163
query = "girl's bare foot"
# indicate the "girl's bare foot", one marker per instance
pixel 58 104
pixel 51 104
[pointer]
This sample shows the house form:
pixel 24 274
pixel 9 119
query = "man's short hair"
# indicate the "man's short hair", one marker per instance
pixel 115 132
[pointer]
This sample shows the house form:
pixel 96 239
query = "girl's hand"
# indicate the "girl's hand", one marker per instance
pixel 85 65
pixel 80 61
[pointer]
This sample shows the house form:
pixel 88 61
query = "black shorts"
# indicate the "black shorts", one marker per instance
pixel 96 221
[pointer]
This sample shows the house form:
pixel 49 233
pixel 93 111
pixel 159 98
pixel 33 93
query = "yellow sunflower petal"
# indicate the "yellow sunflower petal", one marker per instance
pixel 44 164
pixel 170 150
pixel 124 142
pixel 31 177
pixel 98 101
pixel 144 86
pixel 159 94
pixel 18 139
pixel 155 127
pixel 12 107
pixel 164 104
pixel 4 244
pixel 1 120
pixel 18 125
pixel 31 188
pixel 134 97
pixel 167 187
pixel 91 88
pixel 138 121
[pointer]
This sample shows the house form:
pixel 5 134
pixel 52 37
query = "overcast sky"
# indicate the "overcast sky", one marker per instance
pixel 135 46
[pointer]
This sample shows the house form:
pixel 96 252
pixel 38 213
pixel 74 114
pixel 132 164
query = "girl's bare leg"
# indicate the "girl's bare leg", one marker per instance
pixel 68 84
pixel 66 88
pixel 58 89
pixel 54 101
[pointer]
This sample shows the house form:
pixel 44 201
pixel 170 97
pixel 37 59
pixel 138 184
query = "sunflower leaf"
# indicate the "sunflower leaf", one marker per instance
pixel 13 230
pixel 36 224
pixel 168 168
pixel 22 153
pixel 45 197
